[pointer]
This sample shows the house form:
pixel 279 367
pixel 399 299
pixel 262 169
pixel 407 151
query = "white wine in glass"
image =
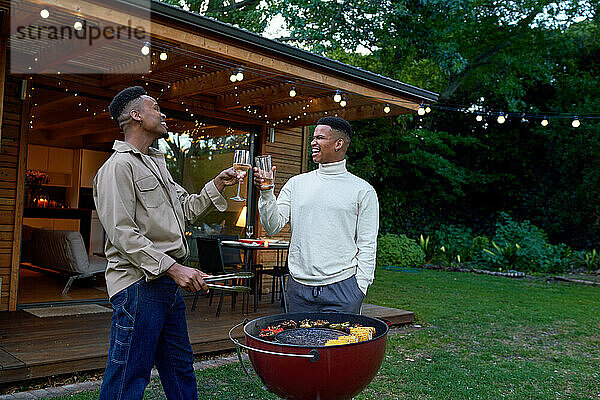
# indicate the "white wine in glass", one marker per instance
pixel 241 164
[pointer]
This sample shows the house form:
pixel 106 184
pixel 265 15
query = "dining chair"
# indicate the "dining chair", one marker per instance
pixel 210 260
pixel 232 257
pixel 278 273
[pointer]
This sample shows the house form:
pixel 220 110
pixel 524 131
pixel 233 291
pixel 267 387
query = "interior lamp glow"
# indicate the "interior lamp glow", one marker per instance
pixel 241 221
pixel 575 123
pixel 163 56
pixel 146 49
pixel 44 13
pixel 501 119
pixel 293 92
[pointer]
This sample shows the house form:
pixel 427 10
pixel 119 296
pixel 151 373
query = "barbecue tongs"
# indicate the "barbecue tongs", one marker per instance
pixel 236 275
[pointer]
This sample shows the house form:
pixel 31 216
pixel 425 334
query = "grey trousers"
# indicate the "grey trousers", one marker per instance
pixel 343 296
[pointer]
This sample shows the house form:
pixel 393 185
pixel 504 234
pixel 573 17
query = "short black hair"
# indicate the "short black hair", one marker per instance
pixel 338 124
pixel 124 97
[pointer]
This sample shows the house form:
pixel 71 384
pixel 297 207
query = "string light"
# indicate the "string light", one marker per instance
pixel 293 91
pixel 77 25
pixel 544 122
pixel 501 119
pixel 575 123
pixel 44 13
pixel 337 97
pixel 479 118
pixel 163 56
pixel 427 109
pixel 343 101
pixel 387 109
pixel 421 110
pixel 146 49
pixel 240 75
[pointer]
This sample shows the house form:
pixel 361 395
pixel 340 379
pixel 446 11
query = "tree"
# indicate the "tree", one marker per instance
pixel 522 56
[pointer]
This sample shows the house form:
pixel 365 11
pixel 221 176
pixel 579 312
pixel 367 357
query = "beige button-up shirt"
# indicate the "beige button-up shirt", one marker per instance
pixel 144 213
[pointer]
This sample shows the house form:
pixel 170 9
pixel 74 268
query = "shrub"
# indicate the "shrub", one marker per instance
pixel 399 250
pixel 480 243
pixel 455 243
pixel 524 247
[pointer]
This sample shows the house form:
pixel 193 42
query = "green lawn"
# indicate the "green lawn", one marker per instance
pixel 483 337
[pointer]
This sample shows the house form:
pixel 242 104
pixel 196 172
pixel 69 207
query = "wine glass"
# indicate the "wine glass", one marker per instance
pixel 265 170
pixel 241 164
pixel 249 231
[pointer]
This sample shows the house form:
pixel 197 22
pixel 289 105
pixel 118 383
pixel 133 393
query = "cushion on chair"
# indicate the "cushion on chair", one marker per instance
pixel 60 250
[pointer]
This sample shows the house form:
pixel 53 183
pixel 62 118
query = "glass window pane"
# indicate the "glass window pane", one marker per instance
pixel 194 157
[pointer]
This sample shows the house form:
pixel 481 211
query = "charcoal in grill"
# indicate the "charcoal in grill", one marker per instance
pixel 306 336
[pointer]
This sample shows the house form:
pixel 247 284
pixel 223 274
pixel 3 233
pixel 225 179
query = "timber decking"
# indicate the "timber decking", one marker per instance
pixel 32 347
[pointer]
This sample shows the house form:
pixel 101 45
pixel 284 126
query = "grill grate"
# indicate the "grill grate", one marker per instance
pixel 307 336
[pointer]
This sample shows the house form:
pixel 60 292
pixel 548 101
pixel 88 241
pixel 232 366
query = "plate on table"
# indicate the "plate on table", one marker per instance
pixel 253 242
pixel 230 242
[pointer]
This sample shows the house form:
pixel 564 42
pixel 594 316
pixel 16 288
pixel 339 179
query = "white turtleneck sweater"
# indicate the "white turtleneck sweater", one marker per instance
pixel 334 220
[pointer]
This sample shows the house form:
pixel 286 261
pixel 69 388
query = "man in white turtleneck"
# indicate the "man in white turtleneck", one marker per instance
pixel 334 220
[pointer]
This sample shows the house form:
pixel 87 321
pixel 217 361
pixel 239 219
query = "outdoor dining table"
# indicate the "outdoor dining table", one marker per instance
pixel 249 249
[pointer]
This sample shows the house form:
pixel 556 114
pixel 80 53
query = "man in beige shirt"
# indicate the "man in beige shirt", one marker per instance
pixel 144 213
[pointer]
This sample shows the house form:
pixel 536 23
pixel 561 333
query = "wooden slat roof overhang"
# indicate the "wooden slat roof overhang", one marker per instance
pixel 193 83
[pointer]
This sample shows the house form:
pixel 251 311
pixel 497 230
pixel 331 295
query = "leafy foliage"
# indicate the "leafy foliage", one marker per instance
pixel 524 247
pixel 399 250
pixel 530 56
pixel 455 243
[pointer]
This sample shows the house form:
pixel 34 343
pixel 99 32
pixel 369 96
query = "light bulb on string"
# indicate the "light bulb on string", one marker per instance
pixel 421 110
pixel 163 56
pixel 427 109
pixel 240 75
pixel 293 91
pixel 479 118
pixel 44 13
pixel 146 49
pixel 387 109
pixel 77 25
pixel 337 97
pixel 575 123
pixel 233 77
pixel 501 119
pixel 343 101
pixel 544 122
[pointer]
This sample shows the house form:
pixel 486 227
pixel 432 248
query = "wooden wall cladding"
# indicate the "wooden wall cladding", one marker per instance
pixel 288 153
pixel 9 166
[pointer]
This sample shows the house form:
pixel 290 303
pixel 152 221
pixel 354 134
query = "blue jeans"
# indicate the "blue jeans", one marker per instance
pixel 149 327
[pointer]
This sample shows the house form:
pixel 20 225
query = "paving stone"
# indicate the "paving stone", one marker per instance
pixel 72 388
pixel 24 396
pixel 58 391
pixel 94 385
pixel 39 393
